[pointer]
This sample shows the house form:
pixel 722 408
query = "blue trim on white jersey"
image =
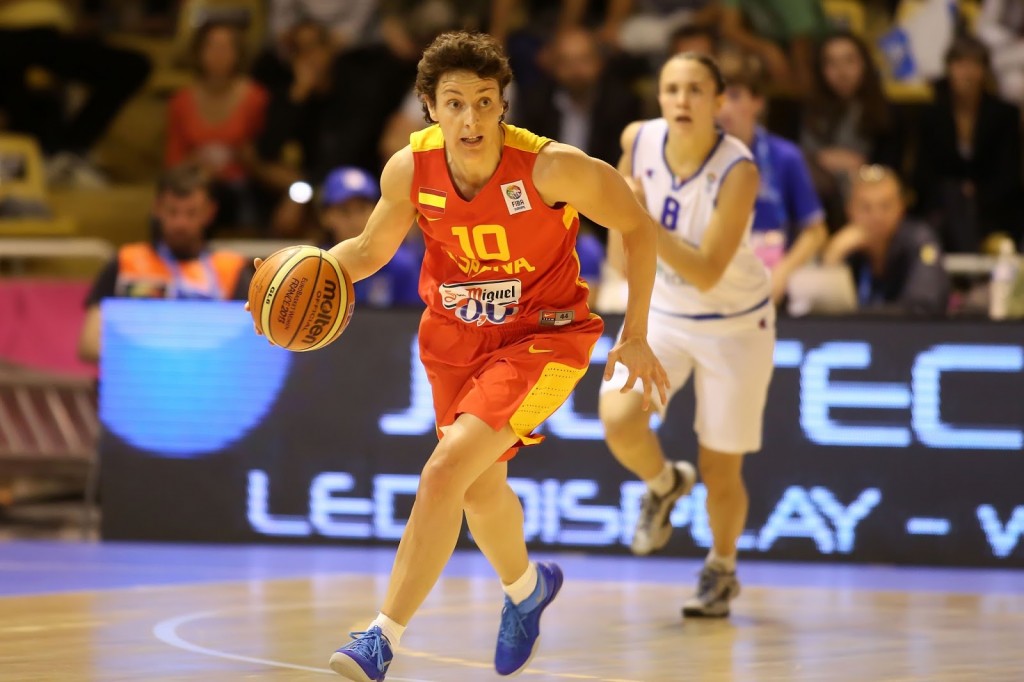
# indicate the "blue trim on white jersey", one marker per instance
pixel 721 180
pixel 672 174
pixel 712 316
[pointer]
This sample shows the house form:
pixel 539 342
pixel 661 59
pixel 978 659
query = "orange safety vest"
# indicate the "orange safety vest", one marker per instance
pixel 144 273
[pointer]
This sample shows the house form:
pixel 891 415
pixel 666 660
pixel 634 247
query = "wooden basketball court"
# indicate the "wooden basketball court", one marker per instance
pixel 185 613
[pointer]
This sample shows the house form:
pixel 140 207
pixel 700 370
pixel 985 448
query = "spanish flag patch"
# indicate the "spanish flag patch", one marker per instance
pixel 431 201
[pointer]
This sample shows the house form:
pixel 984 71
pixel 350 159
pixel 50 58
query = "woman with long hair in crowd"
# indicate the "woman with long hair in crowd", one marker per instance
pixel 847 121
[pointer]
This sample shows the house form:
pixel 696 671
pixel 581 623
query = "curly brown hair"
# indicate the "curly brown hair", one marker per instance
pixel 477 53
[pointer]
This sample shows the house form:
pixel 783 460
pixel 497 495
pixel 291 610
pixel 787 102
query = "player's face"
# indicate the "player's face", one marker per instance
pixel 876 207
pixel 842 67
pixel 183 219
pixel 468 109
pixel 686 93
pixel 347 220
pixel 740 111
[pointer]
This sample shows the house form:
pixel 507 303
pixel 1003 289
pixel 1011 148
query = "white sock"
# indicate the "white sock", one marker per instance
pixel 524 586
pixel 392 630
pixel 726 562
pixel 661 484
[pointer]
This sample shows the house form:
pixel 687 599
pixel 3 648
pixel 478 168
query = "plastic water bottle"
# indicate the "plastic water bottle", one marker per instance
pixel 1004 275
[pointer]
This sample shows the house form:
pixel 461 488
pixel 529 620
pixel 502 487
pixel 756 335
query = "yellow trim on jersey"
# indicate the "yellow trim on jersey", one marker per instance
pixel 579 271
pixel 431 200
pixel 523 139
pixel 568 215
pixel 427 139
pixel 431 138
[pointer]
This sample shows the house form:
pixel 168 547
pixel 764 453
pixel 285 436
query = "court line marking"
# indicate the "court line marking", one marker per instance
pixel 167 632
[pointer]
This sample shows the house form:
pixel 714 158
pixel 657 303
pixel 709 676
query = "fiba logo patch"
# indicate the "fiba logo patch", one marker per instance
pixel 515 197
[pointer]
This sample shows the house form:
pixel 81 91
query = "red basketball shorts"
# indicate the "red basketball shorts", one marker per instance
pixel 517 375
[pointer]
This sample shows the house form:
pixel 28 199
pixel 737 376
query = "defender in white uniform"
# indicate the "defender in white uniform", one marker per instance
pixel 711 317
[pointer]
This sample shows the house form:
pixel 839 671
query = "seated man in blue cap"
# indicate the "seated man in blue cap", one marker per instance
pixel 347 198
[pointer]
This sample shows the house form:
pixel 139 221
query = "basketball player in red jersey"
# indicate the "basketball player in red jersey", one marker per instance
pixel 506 334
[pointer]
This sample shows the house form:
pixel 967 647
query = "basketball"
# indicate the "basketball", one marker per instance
pixel 301 298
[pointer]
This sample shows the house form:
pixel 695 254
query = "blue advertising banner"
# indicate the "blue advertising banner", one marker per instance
pixel 893 441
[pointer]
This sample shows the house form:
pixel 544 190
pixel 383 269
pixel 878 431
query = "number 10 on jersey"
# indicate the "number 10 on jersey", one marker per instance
pixel 483 242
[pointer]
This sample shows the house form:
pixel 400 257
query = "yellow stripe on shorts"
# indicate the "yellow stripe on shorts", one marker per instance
pixel 556 383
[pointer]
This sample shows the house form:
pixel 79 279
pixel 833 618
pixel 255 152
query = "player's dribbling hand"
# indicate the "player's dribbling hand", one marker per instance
pixel 257 262
pixel 639 359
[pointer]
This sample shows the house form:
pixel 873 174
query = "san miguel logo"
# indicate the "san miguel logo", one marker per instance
pixel 515 197
pixel 482 302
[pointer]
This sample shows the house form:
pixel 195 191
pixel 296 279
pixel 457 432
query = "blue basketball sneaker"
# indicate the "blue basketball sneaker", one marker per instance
pixel 366 658
pixel 519 633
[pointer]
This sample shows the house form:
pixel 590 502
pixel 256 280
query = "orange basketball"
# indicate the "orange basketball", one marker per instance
pixel 301 298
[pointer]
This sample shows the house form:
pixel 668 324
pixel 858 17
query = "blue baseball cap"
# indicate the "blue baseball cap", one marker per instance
pixel 348 182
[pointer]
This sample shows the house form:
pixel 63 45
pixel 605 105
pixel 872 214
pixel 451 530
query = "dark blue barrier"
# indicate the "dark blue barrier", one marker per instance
pixel 886 441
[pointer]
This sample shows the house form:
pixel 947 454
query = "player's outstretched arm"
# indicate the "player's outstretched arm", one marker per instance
pixel 595 189
pixel 388 224
pixel 614 254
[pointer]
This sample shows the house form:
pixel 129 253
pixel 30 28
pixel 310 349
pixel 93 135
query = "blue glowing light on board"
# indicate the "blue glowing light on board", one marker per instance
pixel 182 379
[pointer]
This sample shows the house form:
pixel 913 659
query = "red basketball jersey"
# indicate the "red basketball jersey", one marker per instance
pixel 503 257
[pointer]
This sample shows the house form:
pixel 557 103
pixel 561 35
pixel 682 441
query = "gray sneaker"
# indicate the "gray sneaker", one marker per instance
pixel 653 528
pixel 715 589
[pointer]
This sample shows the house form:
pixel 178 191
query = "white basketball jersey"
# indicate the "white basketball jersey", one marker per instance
pixel 685 209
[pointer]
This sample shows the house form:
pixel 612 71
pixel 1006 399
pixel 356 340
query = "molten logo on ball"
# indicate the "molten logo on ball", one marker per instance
pixel 322 310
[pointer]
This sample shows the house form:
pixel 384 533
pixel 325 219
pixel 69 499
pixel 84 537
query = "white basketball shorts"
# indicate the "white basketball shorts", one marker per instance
pixel 731 361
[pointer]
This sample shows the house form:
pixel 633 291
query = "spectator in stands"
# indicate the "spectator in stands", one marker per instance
pixel 897 263
pixel 346 24
pixel 968 169
pixel 527 28
pixel 42 35
pixel 297 115
pixel 347 198
pixel 335 111
pixel 215 121
pixel 583 103
pixel 789 222
pixel 782 33
pixel 176 263
pixel 648 27
pixel 847 122
pixel 699 38
pixel 1001 28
